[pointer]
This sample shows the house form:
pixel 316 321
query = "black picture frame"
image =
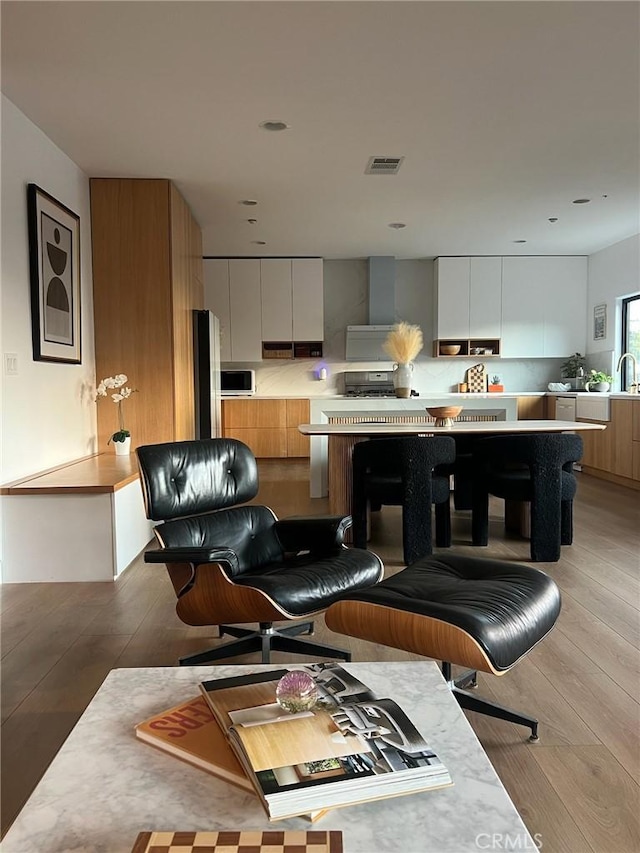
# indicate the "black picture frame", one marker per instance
pixel 54 263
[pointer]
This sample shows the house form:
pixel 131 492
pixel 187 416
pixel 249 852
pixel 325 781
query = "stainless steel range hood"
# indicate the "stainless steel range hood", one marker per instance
pixel 364 343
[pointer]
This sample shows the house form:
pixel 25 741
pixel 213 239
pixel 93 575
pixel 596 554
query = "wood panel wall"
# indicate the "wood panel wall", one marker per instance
pixel 147 276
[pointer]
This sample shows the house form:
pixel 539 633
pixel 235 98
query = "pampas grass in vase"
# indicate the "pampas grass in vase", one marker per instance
pixel 403 344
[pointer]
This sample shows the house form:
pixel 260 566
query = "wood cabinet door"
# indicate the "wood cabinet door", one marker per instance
pixel 253 414
pixel 298 412
pixel 265 443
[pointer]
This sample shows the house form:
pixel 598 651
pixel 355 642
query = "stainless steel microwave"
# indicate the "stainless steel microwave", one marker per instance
pixel 237 382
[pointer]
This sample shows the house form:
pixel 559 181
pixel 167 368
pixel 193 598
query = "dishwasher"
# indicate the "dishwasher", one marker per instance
pixel 566 411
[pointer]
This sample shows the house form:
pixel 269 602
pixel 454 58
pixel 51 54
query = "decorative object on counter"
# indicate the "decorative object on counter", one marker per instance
pixel 122 438
pixel 297 691
pixel 559 386
pixel 403 343
pixel 477 379
pixel 463 388
pixel 449 349
pixel 597 380
pixel 444 415
pixel 495 385
pixel 573 368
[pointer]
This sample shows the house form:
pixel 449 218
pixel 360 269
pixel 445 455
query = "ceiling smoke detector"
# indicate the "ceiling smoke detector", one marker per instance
pixel 383 165
pixel 248 202
pixel 397 225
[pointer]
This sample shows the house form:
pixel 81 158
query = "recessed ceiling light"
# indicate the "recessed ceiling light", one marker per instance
pixel 581 201
pixel 274 125
pixel 519 241
pixel 553 219
pixel 252 221
pixel 249 202
pixel 397 225
pixel 259 242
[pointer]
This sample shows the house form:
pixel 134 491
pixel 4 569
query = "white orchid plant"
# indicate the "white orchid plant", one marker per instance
pixel 122 392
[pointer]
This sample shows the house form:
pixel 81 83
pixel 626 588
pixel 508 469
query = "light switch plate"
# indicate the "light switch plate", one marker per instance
pixel 11 364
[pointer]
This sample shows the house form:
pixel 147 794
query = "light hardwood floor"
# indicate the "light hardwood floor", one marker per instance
pixel 578 788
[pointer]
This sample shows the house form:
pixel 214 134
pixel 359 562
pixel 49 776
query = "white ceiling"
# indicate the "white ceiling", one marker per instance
pixel 504 112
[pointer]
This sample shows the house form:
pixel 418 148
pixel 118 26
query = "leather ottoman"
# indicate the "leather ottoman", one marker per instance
pixel 480 613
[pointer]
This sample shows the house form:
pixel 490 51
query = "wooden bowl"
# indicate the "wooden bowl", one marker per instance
pixel 444 415
pixel 449 349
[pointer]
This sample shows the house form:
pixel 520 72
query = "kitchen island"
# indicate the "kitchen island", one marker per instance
pixel 342 437
pixel 326 410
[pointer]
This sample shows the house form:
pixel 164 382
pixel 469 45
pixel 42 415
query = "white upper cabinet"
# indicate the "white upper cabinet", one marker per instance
pixel 268 299
pixel 246 310
pixel 468 297
pixel 485 298
pixel 308 299
pixel 452 297
pixel 216 299
pixel 565 320
pixel 543 306
pixel 277 299
pixel 523 307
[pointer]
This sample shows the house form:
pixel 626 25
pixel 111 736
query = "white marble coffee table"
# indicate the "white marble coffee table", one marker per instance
pixel 105 786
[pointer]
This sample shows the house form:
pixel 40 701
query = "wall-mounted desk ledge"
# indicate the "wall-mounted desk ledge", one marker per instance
pixel 83 521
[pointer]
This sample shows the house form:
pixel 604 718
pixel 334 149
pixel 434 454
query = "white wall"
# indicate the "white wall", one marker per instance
pixel 48 414
pixel 614 273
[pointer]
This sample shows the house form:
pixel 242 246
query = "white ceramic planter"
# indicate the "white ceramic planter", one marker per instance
pixel 122 448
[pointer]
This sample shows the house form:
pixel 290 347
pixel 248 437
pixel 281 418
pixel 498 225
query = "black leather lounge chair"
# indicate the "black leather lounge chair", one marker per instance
pixel 239 564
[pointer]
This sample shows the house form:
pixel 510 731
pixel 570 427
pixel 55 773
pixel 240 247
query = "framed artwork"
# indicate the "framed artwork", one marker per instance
pixel 600 322
pixel 54 261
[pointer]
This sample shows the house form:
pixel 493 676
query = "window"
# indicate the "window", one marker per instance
pixel 630 337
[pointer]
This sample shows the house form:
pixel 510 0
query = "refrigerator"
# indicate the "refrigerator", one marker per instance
pixel 206 363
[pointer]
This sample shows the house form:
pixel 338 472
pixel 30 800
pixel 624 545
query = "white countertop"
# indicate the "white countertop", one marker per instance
pixel 464 428
pixel 611 395
pixel 426 396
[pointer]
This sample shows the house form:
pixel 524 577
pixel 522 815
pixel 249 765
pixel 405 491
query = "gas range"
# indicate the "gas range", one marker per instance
pixel 368 383
pixel 369 394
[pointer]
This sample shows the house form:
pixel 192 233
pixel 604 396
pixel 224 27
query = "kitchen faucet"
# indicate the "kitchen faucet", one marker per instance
pixel 633 388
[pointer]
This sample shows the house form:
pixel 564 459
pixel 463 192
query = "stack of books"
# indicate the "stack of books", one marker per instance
pixel 351 747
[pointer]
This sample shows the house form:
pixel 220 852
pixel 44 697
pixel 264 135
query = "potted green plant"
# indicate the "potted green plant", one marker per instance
pixel 574 366
pixel 597 380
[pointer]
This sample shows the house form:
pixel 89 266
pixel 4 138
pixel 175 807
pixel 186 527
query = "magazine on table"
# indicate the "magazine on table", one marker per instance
pixel 350 747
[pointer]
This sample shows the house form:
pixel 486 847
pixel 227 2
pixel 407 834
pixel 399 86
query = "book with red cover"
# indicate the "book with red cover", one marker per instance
pixel 190 731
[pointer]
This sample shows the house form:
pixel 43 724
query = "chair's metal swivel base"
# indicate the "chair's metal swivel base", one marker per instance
pixel 265 640
pixel 470 702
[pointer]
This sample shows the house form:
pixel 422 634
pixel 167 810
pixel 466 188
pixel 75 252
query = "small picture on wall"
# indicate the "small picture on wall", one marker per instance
pixel 599 322
pixel 54 259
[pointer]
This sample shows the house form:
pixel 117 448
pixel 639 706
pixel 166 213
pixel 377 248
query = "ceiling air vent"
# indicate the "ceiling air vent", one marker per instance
pixel 383 165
